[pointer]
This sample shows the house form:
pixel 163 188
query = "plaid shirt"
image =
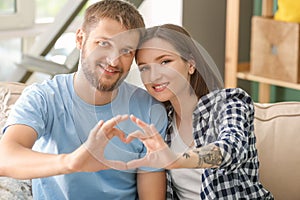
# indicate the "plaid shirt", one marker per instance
pixel 225 118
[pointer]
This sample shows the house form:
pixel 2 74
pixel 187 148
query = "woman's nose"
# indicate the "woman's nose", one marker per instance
pixel 155 73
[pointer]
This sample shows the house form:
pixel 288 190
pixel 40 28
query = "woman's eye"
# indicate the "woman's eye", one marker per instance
pixel 103 43
pixel 165 62
pixel 143 68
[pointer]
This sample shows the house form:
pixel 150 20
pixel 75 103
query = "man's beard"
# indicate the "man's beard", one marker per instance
pixel 96 82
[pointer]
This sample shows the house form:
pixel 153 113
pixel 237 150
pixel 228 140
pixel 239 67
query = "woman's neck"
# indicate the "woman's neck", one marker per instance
pixel 184 106
pixel 184 109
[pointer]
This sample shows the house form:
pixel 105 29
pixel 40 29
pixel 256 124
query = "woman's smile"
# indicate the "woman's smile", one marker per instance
pixel 160 87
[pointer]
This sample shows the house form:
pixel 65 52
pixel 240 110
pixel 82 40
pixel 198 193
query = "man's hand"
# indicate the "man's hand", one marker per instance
pixel 89 157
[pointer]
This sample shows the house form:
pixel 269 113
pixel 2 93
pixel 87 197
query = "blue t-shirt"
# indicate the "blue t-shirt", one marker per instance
pixel 63 121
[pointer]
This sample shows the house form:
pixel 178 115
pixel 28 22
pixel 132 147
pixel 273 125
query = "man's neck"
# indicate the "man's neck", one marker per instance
pixel 90 94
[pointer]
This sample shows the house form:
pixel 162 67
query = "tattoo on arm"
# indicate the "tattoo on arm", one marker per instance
pixel 186 155
pixel 209 155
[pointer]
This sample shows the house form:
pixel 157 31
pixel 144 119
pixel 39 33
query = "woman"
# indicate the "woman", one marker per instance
pixel 210 128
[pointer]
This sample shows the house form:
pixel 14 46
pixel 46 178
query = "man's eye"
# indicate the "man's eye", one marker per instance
pixel 103 43
pixel 126 51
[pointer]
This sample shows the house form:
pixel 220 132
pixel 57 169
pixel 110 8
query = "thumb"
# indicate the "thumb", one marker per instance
pixel 137 163
pixel 117 165
pixel 134 135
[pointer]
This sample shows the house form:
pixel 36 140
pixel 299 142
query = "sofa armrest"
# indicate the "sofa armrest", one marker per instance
pixel 10 188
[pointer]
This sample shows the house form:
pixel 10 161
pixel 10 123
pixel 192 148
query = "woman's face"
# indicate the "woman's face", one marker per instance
pixel 164 73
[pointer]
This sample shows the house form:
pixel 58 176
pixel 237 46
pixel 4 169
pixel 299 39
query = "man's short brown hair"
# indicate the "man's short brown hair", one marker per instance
pixel 119 10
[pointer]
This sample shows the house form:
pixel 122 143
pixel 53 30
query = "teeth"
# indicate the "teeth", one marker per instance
pixel 161 86
pixel 105 67
pixel 109 70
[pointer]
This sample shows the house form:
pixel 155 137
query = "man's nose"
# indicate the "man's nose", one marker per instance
pixel 113 58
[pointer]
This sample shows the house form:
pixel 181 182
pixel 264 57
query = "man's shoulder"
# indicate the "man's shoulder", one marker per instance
pixel 137 95
pixel 56 83
pixel 130 86
pixel 134 90
pixel 54 88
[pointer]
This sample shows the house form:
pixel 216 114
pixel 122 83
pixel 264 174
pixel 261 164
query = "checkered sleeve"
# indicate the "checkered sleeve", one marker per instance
pixel 235 129
pixel 225 118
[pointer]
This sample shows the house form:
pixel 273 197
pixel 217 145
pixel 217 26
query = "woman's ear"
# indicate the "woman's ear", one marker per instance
pixel 192 66
pixel 79 38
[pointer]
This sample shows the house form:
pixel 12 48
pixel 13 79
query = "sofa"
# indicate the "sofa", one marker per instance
pixel 11 189
pixel 277 128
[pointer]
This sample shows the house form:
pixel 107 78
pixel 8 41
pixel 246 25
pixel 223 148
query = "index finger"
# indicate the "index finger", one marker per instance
pixel 113 122
pixel 144 126
pixel 138 121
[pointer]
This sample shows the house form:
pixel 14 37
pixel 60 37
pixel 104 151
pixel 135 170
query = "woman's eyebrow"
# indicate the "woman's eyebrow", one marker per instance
pixel 157 58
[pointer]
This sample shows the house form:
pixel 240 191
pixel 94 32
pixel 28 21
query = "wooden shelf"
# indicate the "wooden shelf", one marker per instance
pixel 243 72
pixel 246 75
pixel 235 70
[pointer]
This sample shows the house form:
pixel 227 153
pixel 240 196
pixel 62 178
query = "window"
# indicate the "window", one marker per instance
pixel 16 13
pixel 17 18
pixel 7 7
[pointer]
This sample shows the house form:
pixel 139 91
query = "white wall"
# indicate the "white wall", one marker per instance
pixel 156 12
pixel 205 20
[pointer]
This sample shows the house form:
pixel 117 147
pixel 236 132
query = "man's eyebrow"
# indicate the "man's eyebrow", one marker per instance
pixel 124 44
pixel 129 47
pixel 103 38
pixel 115 41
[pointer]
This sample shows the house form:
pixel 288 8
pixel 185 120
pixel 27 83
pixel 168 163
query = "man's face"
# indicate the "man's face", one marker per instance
pixel 107 54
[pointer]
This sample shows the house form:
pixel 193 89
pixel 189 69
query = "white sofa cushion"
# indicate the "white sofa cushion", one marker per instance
pixel 277 128
pixel 9 93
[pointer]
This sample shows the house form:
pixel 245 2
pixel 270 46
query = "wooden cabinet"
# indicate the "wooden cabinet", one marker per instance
pixel 235 70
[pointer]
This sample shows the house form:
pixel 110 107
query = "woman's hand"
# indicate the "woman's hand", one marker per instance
pixel 89 157
pixel 159 155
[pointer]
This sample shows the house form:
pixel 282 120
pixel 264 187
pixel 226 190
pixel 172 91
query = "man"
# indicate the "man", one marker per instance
pixel 60 133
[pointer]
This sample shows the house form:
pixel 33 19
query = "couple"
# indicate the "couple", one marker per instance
pixel 61 132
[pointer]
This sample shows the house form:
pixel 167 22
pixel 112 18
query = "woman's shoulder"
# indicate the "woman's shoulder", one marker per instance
pixel 231 97
pixel 228 94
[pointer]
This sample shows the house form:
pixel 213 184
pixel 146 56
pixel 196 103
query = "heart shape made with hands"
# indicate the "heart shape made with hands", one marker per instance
pixel 158 155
